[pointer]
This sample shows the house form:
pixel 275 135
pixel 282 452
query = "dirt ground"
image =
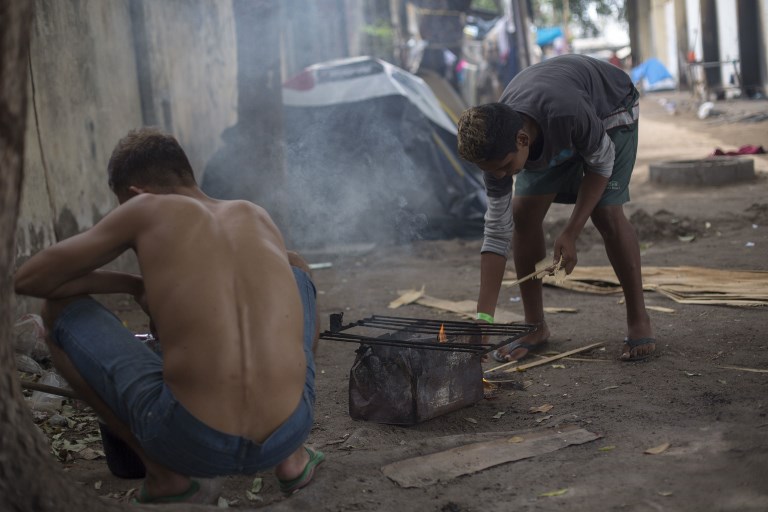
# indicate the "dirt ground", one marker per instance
pixel 714 419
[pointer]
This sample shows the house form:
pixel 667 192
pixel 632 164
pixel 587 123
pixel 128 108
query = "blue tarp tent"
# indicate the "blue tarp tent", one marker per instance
pixel 547 35
pixel 651 75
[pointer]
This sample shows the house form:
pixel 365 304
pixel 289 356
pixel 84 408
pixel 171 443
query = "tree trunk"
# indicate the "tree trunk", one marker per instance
pixel 30 479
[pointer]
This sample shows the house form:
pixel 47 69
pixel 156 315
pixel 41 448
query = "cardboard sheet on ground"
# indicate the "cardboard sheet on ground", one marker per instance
pixel 464 460
pixel 685 285
pixel 465 308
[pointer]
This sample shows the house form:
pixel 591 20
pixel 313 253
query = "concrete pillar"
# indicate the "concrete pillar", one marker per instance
pixel 693 20
pixel 763 14
pixel 727 19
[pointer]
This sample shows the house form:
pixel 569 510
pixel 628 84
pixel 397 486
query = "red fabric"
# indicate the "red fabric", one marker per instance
pixel 743 150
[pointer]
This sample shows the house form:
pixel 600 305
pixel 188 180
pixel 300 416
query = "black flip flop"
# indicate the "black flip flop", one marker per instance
pixel 530 347
pixel 639 342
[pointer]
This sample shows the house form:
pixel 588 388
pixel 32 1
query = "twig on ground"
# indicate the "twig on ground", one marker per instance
pixel 753 370
pixel 554 358
pixel 53 390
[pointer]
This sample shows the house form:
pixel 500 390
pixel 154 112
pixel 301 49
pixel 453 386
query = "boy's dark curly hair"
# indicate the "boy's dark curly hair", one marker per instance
pixel 488 132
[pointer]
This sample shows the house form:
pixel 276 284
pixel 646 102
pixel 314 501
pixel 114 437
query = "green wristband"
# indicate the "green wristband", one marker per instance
pixel 485 316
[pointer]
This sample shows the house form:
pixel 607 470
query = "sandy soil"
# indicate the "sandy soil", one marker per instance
pixel 714 419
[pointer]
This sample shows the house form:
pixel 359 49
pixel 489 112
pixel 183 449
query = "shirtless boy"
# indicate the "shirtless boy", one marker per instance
pixel 566 129
pixel 234 312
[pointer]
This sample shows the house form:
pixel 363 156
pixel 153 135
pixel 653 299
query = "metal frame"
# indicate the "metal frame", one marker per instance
pixel 396 324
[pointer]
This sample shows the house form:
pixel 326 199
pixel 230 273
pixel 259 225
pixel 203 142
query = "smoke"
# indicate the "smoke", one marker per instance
pixel 354 176
pixel 366 170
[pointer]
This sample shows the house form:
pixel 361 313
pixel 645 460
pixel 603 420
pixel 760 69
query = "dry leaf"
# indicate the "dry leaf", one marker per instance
pixel 541 408
pixel 97 485
pixel 561 366
pixel 657 449
pixel 543 418
pixel 550 494
pixel 253 497
pixel 664 493
pixel 257 484
pixel 89 454
pixel 498 415
pixel 471 420
pixel 515 439
pixel 606 448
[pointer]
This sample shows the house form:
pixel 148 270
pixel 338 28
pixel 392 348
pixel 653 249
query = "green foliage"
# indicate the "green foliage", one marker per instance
pixel 550 12
pixel 381 29
pixel 378 40
pixel 486 5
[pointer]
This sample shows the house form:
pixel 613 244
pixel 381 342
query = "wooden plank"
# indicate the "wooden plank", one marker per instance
pixel 548 360
pixel 407 297
pixel 467 309
pixel 464 460
pixel 685 285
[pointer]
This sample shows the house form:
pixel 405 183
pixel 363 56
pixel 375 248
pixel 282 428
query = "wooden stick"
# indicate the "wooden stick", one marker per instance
pixel 554 358
pixel 500 367
pixel 753 370
pixel 35 386
pixel 533 275
pixel 548 270
pixel 586 360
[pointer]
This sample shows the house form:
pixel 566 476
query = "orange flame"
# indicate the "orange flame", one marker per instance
pixel 441 337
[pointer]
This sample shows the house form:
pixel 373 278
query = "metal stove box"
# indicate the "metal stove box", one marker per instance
pixel 405 386
pixel 420 368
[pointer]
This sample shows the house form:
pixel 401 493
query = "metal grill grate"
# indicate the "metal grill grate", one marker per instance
pixel 400 332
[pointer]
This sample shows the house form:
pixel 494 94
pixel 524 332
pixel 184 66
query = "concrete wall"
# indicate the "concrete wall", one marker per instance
pixel 191 57
pixel 91 81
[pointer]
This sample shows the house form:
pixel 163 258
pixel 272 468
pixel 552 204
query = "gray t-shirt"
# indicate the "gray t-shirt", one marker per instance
pixel 570 96
pixel 574 99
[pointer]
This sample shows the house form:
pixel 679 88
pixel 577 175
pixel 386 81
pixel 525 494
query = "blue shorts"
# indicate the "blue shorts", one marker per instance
pixel 128 377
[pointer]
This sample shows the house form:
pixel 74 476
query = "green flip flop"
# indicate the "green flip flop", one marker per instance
pixel 203 492
pixel 301 481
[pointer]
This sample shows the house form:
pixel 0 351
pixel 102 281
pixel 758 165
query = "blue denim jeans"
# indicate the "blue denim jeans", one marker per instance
pixel 128 377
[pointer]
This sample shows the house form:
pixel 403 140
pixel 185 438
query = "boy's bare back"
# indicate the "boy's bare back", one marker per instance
pixel 226 308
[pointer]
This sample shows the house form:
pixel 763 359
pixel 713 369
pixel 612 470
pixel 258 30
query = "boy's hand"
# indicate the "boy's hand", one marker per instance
pixel 565 247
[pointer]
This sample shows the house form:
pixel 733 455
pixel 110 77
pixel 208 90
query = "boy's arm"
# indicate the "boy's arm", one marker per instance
pixel 497 236
pixel 69 267
pixel 100 281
